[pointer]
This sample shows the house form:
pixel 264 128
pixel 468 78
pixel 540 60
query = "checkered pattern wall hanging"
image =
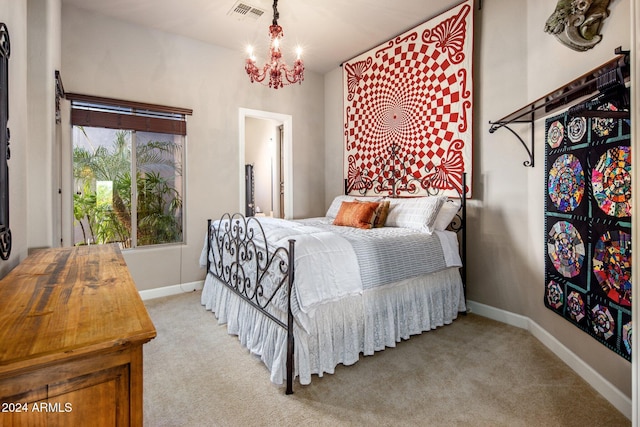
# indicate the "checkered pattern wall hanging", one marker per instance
pixel 408 110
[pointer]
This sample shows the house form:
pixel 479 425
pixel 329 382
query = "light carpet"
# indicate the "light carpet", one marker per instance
pixel 474 372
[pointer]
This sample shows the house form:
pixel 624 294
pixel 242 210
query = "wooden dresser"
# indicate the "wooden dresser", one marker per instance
pixel 72 326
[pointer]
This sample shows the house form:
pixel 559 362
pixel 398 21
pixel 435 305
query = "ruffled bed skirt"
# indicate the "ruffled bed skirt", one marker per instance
pixel 340 331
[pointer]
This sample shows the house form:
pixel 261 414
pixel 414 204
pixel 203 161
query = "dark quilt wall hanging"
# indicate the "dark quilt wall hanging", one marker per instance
pixel 588 224
pixel 408 110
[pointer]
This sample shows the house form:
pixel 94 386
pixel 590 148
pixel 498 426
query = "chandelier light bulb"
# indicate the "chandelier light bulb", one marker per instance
pixel 250 53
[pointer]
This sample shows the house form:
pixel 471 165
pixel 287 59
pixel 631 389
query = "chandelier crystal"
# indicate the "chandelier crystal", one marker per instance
pixel 276 69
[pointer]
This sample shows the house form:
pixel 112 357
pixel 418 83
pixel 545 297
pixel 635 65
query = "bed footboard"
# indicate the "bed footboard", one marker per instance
pixel 240 257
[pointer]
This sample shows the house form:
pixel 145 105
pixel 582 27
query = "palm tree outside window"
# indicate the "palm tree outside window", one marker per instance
pixel 108 205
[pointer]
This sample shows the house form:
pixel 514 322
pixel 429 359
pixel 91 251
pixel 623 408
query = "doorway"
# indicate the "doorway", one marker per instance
pixel 265 151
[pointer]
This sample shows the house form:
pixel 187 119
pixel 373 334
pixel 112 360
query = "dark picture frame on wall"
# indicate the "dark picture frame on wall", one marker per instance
pixel 5 153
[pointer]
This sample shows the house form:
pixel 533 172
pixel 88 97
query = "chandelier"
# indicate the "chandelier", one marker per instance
pixel 277 71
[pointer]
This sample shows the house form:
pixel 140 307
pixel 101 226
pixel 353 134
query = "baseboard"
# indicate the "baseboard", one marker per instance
pixel 618 399
pixel 170 290
pixel 503 316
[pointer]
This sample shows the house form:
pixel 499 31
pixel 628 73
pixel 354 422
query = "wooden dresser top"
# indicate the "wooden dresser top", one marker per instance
pixel 69 302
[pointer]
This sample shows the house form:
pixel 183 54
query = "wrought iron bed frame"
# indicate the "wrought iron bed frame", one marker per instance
pixel 237 241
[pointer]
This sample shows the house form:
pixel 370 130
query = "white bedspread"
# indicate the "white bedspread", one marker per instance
pixel 328 268
pixel 326 264
pixel 390 254
pixel 315 251
pixel 448 239
pixel 335 320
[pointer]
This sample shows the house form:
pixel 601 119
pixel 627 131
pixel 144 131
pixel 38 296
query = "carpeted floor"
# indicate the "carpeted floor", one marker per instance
pixel 475 372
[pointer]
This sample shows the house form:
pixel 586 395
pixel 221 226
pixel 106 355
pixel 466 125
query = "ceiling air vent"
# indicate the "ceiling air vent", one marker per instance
pixel 242 10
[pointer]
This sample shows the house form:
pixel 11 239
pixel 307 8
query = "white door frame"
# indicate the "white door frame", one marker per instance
pixel 287 122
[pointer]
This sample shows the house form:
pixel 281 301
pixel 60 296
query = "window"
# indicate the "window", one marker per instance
pixel 114 141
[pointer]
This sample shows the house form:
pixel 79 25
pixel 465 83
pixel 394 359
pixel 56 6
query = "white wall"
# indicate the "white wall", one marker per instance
pixel 515 62
pixel 334 135
pixel 43 59
pixel 106 57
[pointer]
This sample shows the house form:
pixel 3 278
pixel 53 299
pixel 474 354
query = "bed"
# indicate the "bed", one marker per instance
pixel 310 294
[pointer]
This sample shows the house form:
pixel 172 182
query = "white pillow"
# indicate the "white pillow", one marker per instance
pixel 332 212
pixel 418 213
pixel 446 214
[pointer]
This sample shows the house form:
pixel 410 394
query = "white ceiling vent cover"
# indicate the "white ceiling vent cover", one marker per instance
pixel 242 10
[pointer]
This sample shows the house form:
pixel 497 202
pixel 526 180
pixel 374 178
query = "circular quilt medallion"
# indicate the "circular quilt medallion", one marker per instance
pixel 604 126
pixel 611 182
pixel 555 295
pixel 566 248
pixel 612 266
pixel 575 306
pixel 566 183
pixel 602 322
pixel 555 134
pixel 627 336
pixel 576 129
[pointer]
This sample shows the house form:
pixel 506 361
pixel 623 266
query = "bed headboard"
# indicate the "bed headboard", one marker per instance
pixel 393 179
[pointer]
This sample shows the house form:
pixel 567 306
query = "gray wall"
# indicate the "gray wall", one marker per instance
pixel 105 57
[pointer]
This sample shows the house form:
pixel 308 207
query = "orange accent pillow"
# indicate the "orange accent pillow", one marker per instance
pixel 380 216
pixel 356 214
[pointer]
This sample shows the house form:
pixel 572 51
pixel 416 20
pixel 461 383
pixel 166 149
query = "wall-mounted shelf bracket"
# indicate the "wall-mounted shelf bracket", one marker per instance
pixel 598 84
pixel 529 147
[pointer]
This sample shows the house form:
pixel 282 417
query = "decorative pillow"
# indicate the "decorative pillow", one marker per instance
pixel 381 214
pixel 446 214
pixel 356 214
pixel 419 213
pixel 332 212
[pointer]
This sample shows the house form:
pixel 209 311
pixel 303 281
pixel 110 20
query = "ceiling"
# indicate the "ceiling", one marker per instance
pixel 329 31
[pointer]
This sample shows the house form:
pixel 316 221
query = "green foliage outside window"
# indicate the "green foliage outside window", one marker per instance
pixel 102 203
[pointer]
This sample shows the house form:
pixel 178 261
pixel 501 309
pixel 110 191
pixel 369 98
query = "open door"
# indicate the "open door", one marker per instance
pixel 265 142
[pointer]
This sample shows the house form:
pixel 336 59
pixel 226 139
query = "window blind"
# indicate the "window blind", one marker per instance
pixel 93 111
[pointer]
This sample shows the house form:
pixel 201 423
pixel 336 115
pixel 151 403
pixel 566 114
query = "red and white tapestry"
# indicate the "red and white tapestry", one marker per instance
pixel 408 110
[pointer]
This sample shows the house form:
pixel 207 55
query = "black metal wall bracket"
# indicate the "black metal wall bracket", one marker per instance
pixel 529 147
pixel 602 81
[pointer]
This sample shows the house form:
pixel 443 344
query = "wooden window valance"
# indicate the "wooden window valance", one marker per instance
pixel 94 111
